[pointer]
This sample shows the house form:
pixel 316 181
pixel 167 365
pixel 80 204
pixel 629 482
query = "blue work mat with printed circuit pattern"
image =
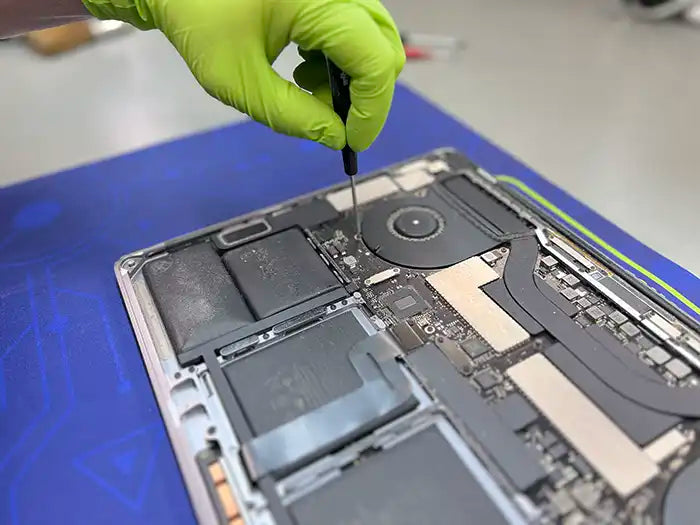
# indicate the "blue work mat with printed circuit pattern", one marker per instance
pixel 81 438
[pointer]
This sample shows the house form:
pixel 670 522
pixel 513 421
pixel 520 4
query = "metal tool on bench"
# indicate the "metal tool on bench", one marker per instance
pixel 426 46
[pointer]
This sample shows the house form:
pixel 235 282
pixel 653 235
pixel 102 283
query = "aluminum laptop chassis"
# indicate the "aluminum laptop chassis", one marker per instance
pixel 469 360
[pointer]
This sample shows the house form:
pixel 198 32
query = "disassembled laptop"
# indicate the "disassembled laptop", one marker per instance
pixel 468 360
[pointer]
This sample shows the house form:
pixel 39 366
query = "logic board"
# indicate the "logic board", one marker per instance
pixel 466 359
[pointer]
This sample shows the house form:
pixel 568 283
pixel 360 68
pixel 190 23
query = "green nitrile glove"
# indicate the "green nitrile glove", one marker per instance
pixel 229 45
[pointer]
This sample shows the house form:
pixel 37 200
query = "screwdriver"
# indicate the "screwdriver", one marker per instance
pixel 340 93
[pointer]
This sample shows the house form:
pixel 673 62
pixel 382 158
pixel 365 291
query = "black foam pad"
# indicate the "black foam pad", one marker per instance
pixel 195 296
pixel 298 374
pixel 420 480
pixel 279 271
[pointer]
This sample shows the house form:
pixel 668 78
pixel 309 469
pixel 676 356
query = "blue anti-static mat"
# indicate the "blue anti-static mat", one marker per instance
pixel 81 439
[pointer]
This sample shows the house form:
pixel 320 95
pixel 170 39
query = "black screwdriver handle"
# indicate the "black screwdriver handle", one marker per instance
pixel 340 93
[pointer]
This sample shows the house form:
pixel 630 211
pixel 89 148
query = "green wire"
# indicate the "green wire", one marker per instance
pixel 592 236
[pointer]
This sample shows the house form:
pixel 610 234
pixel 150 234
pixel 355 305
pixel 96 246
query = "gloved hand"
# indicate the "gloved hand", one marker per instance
pixel 229 45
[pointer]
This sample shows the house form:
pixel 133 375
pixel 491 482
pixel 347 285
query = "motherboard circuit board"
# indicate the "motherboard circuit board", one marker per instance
pixel 463 357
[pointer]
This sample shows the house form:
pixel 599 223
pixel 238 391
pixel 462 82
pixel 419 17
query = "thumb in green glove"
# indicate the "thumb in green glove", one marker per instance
pixel 229 45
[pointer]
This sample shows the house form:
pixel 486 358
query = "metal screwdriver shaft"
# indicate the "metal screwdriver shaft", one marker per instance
pixel 340 93
pixel 354 206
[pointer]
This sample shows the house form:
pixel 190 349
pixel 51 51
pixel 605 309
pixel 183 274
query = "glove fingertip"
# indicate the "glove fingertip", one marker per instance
pixel 332 140
pixel 359 141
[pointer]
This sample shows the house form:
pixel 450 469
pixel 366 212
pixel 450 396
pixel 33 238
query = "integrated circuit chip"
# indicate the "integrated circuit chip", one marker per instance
pixel 549 261
pixel 658 355
pixel 486 379
pixel 558 451
pixel 618 317
pixel 474 348
pixel 279 271
pixel 548 439
pixel 586 495
pixel 629 329
pixel 581 466
pixel 569 294
pixel 555 297
pixel 406 302
pixel 563 502
pixel 595 313
pixel 556 476
pixel 678 368
pixel 584 303
pixel 571 280
pixel 489 257
pixel 332 251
